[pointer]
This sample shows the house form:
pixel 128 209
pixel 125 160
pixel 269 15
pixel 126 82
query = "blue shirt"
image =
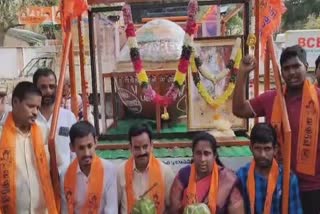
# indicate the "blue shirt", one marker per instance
pixel 295 206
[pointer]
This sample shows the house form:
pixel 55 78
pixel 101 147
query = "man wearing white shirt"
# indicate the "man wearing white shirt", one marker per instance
pixel 24 161
pixel 139 173
pixel 46 81
pixel 89 185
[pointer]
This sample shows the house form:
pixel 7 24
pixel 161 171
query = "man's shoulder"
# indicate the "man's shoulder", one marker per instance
pixel 292 174
pixel 66 117
pixel 107 165
pixel 242 172
pixel 268 94
pixel 164 166
pixel 63 112
pixel 120 167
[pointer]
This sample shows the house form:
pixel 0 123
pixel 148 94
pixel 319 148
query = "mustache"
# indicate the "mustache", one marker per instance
pixel 85 157
pixel 49 99
pixel 49 96
pixel 144 155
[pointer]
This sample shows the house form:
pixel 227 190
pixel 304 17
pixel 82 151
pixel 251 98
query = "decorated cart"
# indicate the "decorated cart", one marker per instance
pixel 175 73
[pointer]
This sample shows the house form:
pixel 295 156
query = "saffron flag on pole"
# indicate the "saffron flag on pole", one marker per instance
pixel 270 15
pixel 72 9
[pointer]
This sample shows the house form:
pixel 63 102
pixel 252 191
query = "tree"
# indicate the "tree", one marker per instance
pixel 298 12
pixel 9 10
pixel 313 22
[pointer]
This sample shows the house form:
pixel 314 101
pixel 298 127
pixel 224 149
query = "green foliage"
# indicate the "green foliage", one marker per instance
pixel 9 10
pixel 235 25
pixel 298 12
pixel 313 22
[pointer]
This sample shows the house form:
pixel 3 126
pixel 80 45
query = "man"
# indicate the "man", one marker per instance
pixel 143 172
pixel 24 168
pixel 302 103
pixel 261 180
pixel 46 81
pixel 66 98
pixel 89 185
pixel 317 71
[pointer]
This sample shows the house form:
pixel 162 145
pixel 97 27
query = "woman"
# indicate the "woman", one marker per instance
pixel 206 181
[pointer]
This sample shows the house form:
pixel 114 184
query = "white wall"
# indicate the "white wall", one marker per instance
pixel 9 62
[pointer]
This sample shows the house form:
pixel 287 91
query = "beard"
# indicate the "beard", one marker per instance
pixel 264 164
pixel 48 100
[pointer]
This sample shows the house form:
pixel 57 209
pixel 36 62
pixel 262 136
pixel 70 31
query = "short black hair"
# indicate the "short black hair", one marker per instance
pixel 317 62
pixel 43 72
pixel 293 51
pixel 138 129
pixel 263 133
pixel 205 136
pixel 23 89
pixel 81 129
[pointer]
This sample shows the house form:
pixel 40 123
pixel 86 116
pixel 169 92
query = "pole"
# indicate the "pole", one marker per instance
pixel 52 134
pixel 85 100
pixel 73 86
pixel 286 150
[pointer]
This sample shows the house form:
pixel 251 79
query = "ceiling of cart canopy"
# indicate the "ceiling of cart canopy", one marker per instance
pixel 136 1
pixel 156 8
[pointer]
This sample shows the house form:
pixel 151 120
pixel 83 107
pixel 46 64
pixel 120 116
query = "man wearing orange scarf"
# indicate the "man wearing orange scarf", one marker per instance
pixel 24 169
pixel 89 185
pixel 261 180
pixel 143 173
pixel 302 103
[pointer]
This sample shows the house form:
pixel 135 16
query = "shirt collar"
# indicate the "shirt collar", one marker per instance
pixel 136 170
pixel 28 134
pixel 78 169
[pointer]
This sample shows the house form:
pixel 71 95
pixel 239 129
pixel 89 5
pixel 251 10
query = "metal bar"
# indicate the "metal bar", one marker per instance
pixel 256 53
pixel 246 21
pixel 158 107
pixel 52 133
pixel 100 38
pixel 73 85
pixel 85 100
pixel 178 144
pixel 93 72
pixel 114 104
pixel 136 6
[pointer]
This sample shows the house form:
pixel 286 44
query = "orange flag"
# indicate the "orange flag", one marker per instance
pixel 270 15
pixel 72 9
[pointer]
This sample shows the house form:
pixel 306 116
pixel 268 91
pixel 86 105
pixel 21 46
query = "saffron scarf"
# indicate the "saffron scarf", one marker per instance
pixel 213 192
pixel 157 194
pixel 272 183
pixel 94 190
pixel 308 128
pixel 8 167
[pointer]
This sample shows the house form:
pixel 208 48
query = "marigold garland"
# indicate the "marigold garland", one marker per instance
pixel 220 100
pixel 181 72
pixel 209 76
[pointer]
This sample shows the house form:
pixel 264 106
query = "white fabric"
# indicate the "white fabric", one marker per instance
pixel 141 184
pixel 65 120
pixel 109 203
pixel 29 195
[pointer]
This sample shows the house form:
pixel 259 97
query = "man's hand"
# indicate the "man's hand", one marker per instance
pixel 248 64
